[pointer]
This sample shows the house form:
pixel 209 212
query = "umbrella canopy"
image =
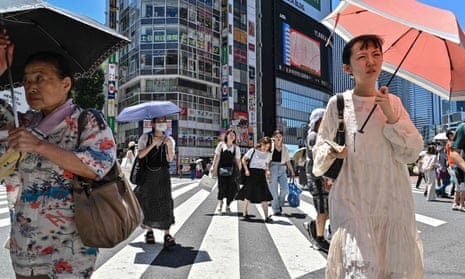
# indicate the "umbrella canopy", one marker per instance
pixel 35 26
pixel 148 110
pixel 436 60
pixel 440 137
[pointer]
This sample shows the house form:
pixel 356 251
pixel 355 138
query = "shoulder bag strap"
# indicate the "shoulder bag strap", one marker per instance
pixel 251 156
pixel 340 135
pixel 340 111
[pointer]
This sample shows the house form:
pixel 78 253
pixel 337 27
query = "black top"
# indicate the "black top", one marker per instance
pixel 157 157
pixel 276 156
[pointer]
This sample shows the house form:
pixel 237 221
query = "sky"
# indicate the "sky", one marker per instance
pixel 96 8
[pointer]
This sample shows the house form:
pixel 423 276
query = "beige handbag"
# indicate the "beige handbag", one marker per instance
pixel 106 211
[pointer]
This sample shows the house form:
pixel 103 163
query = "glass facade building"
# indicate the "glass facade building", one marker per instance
pixel 175 56
pixel 296 69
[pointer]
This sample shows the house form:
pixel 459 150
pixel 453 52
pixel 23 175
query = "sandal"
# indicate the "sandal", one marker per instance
pixel 149 238
pixel 168 241
pixel 269 220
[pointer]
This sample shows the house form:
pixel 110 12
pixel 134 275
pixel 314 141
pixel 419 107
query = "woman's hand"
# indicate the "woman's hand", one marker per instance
pixel 382 99
pixel 168 142
pixel 22 140
pixel 5 46
pixel 339 155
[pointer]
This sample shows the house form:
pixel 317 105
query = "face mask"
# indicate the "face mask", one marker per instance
pixel 161 126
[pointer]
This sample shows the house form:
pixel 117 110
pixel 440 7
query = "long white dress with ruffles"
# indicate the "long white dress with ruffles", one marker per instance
pixel 371 204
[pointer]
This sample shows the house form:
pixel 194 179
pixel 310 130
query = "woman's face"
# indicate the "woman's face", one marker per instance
pixel 365 64
pixel 278 139
pixel 231 137
pixel 160 124
pixel 265 147
pixel 45 90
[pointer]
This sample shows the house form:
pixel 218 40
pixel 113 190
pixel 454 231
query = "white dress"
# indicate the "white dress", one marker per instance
pixel 371 203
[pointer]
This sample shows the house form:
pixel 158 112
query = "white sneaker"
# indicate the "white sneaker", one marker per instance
pixel 462 208
pixel 455 207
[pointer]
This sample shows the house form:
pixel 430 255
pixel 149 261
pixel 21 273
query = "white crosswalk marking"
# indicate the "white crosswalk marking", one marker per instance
pixel 123 262
pixel 222 243
pixel 292 252
pixel 4 218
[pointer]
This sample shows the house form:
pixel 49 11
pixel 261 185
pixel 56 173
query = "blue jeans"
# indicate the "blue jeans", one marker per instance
pixel 278 176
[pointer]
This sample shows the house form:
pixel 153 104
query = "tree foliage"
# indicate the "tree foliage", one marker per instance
pixel 88 92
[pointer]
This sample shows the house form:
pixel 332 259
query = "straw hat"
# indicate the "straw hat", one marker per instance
pixel 131 144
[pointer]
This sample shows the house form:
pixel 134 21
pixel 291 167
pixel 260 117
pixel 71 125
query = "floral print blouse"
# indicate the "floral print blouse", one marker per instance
pixel 44 239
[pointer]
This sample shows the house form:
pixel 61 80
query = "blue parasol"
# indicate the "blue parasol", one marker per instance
pixel 148 110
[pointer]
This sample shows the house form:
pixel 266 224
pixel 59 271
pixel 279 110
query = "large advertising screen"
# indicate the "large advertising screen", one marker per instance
pixel 301 51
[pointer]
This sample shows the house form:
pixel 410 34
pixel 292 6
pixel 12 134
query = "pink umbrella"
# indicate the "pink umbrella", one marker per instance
pixel 422 44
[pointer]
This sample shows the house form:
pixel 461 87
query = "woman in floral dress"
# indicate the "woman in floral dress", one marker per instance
pixel 44 242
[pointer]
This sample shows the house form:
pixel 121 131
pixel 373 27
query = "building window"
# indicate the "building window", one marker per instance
pixel 148 11
pixel 159 11
pixel 159 61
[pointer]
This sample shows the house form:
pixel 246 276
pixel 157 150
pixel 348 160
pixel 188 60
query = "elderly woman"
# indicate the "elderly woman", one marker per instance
pixel 44 242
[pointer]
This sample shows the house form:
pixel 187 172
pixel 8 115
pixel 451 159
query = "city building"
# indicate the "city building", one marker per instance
pixel 174 55
pixel 295 66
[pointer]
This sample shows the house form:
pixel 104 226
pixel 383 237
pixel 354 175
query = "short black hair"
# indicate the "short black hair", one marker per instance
pixel 368 39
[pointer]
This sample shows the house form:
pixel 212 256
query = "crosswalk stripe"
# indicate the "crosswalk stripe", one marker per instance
pixel 4 222
pixel 123 263
pixel 222 243
pixel 3 202
pixel 293 252
pixel 4 210
pixel 187 188
pixel 429 220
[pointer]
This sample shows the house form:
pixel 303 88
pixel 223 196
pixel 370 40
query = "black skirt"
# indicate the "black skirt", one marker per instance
pixel 255 188
pixel 155 199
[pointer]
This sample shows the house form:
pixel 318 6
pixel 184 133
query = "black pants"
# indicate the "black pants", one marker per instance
pixel 420 176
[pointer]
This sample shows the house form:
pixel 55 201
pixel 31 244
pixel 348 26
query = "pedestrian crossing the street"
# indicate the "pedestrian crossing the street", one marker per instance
pixel 213 245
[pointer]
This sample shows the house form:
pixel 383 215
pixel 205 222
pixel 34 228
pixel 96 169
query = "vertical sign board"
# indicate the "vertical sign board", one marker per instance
pixel 111 96
pixel 252 66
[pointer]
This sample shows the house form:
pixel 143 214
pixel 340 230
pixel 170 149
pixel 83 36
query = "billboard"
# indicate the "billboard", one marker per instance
pixel 302 55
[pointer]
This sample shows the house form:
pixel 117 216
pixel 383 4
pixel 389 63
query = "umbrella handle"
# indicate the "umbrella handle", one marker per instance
pixel 10 79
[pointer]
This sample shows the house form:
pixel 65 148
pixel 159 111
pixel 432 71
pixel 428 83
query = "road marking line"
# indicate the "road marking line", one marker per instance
pixel 418 217
pixel 293 252
pixel 221 241
pixel 123 263
pixel 429 220
pixel 4 222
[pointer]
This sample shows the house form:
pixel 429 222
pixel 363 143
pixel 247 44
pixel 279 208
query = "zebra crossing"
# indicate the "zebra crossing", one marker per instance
pixel 4 211
pixel 221 244
pixel 212 245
